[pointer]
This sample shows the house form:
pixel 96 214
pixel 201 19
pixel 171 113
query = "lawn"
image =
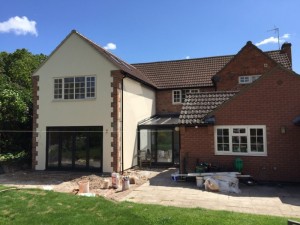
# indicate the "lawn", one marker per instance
pixel 32 206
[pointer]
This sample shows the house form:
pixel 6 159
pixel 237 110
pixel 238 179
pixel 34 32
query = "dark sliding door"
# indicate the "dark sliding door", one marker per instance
pixel 74 148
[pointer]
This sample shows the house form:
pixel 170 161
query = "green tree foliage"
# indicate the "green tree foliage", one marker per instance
pixel 16 99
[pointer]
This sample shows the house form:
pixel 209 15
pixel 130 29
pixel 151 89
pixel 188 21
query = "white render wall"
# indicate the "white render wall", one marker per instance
pixel 75 58
pixel 138 104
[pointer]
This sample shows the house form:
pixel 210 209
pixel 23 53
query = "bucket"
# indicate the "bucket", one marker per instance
pixel 84 186
pixel 199 182
pixel 125 183
pixel 115 180
pixel 105 184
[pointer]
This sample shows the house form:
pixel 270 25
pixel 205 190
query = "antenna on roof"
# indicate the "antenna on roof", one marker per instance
pixel 276 30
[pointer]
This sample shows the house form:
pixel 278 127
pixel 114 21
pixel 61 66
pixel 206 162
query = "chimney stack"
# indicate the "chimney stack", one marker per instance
pixel 286 48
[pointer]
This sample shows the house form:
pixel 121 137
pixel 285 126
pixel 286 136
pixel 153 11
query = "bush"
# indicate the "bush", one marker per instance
pixel 16 157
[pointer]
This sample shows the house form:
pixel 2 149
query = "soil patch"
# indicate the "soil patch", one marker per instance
pixel 67 182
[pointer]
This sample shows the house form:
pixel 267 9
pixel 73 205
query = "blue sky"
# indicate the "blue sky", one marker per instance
pixel 156 30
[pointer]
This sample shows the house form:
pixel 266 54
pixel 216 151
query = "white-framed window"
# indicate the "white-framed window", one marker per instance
pixel 241 140
pixel 81 87
pixel 248 79
pixel 180 95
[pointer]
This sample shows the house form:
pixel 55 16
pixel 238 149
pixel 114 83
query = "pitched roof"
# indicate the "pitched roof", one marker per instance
pixel 119 63
pixel 280 58
pixel 193 72
pixel 198 105
pixel 172 74
pixel 183 73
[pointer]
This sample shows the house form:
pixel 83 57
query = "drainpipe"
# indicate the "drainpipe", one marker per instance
pixel 122 124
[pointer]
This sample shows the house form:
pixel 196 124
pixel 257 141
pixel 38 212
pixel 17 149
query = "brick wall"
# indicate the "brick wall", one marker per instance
pixel 116 115
pixel 249 61
pixel 35 116
pixel 164 101
pixel 274 101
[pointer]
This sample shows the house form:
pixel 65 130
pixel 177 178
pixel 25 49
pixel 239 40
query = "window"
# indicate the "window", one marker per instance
pixel 58 88
pixel 177 96
pixel 75 87
pixel 248 79
pixel 240 140
pixel 180 95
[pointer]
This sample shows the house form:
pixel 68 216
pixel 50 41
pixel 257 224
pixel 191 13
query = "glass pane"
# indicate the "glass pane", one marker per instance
pixel 253 140
pixel 226 139
pixel 253 148
pixel 220 140
pixel 235 139
pixel 236 131
pixel 226 147
pixel 260 132
pixel 164 146
pixel 243 147
pixel 225 132
pixel 253 132
pixel 176 150
pixel 260 140
pixel 242 131
pixel 53 148
pixel 220 147
pixel 81 149
pixel 95 147
pixel 219 132
pixel 236 148
pixel 243 139
pixel 260 148
pixel 66 149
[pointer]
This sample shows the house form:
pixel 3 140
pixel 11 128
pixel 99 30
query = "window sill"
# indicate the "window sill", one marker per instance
pixel 74 100
pixel 264 154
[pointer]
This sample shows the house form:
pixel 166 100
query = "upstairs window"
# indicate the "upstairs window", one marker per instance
pixel 248 79
pixel 180 95
pixel 74 87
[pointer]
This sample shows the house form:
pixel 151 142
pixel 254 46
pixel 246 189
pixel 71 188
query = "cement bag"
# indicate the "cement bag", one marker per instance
pixel 228 184
pixel 211 184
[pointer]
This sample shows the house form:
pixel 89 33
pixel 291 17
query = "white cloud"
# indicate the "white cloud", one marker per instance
pixel 286 36
pixel 187 57
pixel 19 26
pixel 110 46
pixel 274 40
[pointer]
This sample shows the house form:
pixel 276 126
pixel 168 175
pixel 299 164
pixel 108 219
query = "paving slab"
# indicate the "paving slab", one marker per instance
pixel 267 199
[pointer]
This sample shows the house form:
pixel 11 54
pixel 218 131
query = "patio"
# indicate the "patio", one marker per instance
pixel 269 199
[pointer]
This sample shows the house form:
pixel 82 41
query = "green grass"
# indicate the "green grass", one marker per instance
pixel 31 206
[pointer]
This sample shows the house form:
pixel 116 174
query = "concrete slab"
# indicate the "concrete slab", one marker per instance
pixel 278 200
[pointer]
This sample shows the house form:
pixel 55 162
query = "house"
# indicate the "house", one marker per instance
pixel 93 111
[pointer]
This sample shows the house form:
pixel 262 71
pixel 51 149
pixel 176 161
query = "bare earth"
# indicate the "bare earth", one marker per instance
pixel 67 182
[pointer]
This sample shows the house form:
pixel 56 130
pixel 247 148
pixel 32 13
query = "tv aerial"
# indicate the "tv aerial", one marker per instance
pixel 276 30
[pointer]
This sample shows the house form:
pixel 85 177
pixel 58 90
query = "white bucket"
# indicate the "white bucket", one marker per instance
pixel 115 180
pixel 199 182
pixel 125 183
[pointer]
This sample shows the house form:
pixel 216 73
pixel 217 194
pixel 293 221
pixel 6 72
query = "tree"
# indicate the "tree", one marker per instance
pixel 16 99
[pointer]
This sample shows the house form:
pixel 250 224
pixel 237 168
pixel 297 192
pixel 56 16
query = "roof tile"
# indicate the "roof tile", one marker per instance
pixel 198 105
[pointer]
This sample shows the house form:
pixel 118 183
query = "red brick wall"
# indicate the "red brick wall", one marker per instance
pixel 249 61
pixel 116 115
pixel 273 101
pixel 164 101
pixel 35 98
